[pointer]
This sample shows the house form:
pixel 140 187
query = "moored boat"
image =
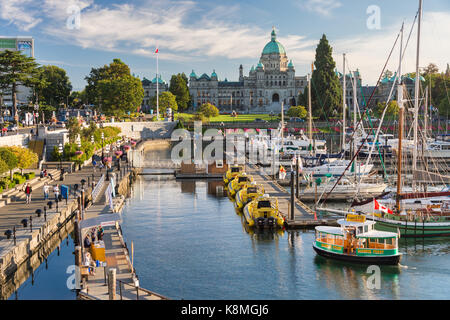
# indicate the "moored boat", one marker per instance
pixel 263 212
pixel 356 240
pixel 238 183
pixel 232 172
pixel 248 193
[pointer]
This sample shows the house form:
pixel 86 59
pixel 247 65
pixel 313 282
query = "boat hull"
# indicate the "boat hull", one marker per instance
pixel 413 229
pixel 387 260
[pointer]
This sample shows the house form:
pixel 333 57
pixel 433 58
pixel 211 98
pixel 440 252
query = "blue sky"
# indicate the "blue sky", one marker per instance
pixel 221 35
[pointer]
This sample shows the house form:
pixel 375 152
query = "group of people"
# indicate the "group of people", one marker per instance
pixel 44 174
pixel 96 234
pixel 46 188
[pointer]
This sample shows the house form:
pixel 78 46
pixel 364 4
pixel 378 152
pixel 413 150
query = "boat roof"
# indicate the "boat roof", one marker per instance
pixel 377 234
pixel 345 223
pixel 332 230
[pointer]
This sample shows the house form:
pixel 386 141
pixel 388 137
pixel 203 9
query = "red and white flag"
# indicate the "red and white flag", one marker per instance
pixel 378 206
pixel 156 51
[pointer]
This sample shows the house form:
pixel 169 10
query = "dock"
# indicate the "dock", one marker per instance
pixel 304 217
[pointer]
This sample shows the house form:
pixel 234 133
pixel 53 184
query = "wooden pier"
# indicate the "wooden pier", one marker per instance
pixel 304 217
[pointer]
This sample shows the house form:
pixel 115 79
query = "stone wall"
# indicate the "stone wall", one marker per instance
pixel 144 130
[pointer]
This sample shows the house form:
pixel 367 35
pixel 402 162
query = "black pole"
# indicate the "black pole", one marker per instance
pixel 45 213
pixel 14 234
pixel 31 224
pixel 297 177
pixel 292 196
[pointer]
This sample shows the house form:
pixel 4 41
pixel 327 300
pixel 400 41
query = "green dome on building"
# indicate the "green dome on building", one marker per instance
pixel 214 74
pixel 193 74
pixel 274 46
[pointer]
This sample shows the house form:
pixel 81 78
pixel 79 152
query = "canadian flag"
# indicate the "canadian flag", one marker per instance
pixel 378 206
pixel 156 51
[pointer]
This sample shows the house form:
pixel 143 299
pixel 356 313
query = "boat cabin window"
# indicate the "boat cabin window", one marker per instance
pixel 264 204
pixel 234 169
pixel 360 230
pixel 242 179
pixel 251 190
pixel 366 228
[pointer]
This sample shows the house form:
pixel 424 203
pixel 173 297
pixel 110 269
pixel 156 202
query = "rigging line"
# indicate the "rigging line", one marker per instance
pixel 354 130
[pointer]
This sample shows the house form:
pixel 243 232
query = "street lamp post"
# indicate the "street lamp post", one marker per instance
pixel 60 151
pixel 79 148
pixel 103 138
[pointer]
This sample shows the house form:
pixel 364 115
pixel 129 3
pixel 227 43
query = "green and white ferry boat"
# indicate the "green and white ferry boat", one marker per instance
pixel 356 240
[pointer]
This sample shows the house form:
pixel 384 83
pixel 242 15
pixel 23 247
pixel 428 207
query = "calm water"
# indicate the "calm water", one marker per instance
pixel 191 244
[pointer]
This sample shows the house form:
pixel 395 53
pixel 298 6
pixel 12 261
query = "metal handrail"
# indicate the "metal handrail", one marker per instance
pixel 137 288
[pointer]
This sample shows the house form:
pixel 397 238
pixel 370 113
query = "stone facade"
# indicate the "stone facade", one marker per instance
pixel 272 81
pixel 150 91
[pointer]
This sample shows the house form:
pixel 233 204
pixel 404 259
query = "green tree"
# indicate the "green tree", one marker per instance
pixel 73 125
pixel 208 110
pixel 431 69
pixel 178 86
pixel 16 69
pixel 10 159
pixel 388 74
pixel 113 89
pixel 297 111
pixel 166 100
pixel 326 91
pixel 391 111
pixel 58 85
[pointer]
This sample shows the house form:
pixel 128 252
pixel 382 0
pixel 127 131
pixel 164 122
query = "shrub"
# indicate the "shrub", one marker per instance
pixel 30 175
pixel 208 110
pixel 11 185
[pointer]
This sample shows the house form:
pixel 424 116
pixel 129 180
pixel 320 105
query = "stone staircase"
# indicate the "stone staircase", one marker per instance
pixel 17 193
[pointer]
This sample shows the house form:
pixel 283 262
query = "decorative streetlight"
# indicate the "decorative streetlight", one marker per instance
pixel 103 140
pixel 60 151
pixel 78 141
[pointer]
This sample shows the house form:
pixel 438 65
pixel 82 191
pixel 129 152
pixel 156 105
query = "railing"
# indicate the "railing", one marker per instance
pixel 98 188
pixel 137 293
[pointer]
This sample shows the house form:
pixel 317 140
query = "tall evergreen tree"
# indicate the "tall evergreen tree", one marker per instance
pixel 326 90
pixel 17 69
pixel 178 87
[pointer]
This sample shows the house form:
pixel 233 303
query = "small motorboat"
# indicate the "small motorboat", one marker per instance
pixel 232 172
pixel 248 193
pixel 263 212
pixel 356 240
pixel 238 183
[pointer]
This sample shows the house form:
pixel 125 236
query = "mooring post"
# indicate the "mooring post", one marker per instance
pixel 297 176
pixel 14 234
pixel 31 224
pixel 112 283
pixel 292 195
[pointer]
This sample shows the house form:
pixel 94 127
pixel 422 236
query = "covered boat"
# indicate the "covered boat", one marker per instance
pixel 238 183
pixel 263 212
pixel 248 193
pixel 232 172
pixel 356 240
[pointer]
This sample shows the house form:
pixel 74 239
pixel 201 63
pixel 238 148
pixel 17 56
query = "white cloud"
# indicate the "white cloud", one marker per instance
pixel 322 7
pixel 14 12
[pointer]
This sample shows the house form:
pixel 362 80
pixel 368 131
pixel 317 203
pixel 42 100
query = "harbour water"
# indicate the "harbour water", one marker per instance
pixel 190 243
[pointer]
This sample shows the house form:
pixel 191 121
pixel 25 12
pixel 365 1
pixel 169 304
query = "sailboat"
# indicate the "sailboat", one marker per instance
pixel 432 221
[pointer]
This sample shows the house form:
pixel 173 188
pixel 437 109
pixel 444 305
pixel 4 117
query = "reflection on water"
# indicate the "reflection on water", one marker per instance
pixel 191 243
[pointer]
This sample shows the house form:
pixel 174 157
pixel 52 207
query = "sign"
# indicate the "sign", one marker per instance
pixel 356 218
pixel 65 191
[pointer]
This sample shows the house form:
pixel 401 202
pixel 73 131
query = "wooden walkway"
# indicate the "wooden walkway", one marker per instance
pixel 303 215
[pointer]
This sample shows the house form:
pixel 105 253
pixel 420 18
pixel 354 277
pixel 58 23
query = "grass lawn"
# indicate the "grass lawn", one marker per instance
pixel 229 118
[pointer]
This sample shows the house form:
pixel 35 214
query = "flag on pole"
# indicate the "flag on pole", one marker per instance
pixel 157 50
pixel 378 206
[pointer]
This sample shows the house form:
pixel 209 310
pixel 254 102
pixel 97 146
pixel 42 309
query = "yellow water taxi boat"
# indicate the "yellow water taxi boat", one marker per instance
pixel 232 172
pixel 238 183
pixel 263 212
pixel 248 193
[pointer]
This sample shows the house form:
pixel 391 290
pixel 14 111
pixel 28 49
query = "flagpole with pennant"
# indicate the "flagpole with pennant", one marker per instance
pixel 157 85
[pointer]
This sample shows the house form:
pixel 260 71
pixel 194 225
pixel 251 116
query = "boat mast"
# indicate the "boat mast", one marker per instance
pixel 425 117
pixel 344 89
pixel 355 163
pixel 416 96
pixel 310 115
pixel 400 124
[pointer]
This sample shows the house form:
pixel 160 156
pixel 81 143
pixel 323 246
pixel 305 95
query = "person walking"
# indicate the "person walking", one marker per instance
pixel 56 192
pixel 28 191
pixel 46 190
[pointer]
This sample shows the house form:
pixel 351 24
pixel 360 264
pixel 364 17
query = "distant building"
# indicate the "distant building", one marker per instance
pixel 272 81
pixel 349 89
pixel 26 46
pixel 150 91
pixel 66 114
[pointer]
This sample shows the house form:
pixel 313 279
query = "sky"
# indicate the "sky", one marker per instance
pixel 207 35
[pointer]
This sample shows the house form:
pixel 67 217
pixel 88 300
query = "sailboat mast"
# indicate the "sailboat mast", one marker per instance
pixel 416 95
pixel 400 124
pixel 310 115
pixel 354 120
pixel 344 89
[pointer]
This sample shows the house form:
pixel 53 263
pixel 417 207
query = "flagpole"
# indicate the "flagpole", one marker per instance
pixel 157 87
